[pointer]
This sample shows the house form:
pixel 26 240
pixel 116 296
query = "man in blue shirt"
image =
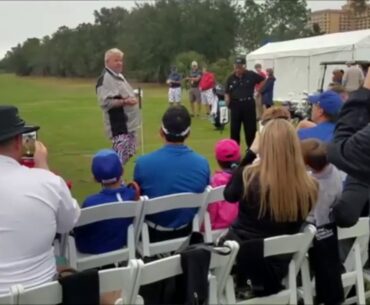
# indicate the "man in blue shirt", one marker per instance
pixel 107 235
pixel 325 110
pixel 174 90
pixel 174 168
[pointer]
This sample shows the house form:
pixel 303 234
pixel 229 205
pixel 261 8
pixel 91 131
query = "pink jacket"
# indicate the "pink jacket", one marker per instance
pixel 222 213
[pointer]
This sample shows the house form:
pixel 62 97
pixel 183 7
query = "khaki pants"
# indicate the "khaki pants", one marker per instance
pixel 259 108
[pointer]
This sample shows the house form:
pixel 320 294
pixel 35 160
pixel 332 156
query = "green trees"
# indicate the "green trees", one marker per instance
pixel 156 35
pixel 272 20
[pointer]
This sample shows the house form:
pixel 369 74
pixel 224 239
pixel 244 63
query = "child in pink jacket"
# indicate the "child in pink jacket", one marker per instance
pixel 223 213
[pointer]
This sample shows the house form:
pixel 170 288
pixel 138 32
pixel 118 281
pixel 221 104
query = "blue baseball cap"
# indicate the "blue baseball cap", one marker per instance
pixel 106 166
pixel 330 101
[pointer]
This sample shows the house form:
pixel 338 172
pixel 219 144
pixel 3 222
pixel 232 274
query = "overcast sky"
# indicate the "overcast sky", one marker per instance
pixel 20 20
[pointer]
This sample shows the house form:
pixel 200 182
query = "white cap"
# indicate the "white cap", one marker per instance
pixel 194 63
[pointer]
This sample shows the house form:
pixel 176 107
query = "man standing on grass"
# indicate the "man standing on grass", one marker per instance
pixel 120 107
pixel 174 90
pixel 257 94
pixel 194 92
pixel 239 96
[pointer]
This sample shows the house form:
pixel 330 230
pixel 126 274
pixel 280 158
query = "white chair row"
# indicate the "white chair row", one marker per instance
pixel 139 210
pixel 298 245
pixel 117 279
pixel 128 280
pixel 221 283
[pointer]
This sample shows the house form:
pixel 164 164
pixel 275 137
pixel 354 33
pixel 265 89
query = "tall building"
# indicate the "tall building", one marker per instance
pixel 343 20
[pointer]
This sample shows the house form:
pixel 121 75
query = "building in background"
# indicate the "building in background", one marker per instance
pixel 346 19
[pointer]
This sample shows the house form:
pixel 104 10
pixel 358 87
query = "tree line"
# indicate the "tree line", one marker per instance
pixel 155 36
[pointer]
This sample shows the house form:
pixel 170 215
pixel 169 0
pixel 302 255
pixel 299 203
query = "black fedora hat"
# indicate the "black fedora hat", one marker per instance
pixel 11 123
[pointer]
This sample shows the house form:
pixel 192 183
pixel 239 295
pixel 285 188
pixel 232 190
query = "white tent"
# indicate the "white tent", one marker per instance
pixel 297 62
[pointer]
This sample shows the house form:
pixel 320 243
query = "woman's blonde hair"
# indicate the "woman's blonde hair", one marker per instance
pixel 287 191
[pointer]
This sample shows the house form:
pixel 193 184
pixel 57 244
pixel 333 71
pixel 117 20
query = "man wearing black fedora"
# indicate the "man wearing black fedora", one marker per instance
pixel 35 204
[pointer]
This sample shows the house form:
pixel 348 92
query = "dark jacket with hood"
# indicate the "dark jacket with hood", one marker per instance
pixel 350 152
pixel 350 149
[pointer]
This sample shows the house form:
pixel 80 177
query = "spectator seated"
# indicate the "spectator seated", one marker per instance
pixel 174 168
pixel 325 110
pixel 108 235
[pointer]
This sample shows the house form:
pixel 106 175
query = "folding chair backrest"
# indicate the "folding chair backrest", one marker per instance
pixel 360 233
pixel 172 202
pixel 214 195
pixel 163 204
pixel 124 279
pixel 289 244
pixel 360 229
pixel 170 266
pixel 355 260
pixel 297 245
pixel 49 293
pixel 125 209
pixel 103 212
pixel 109 280
pixel 220 267
pixel 161 269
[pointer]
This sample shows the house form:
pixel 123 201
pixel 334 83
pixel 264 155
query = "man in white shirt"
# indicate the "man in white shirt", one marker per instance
pixel 353 78
pixel 35 204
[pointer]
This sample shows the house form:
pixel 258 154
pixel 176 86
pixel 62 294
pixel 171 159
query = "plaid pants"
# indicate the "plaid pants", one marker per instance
pixel 125 146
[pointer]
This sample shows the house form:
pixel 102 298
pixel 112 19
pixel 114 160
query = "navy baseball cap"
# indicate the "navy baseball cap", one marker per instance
pixel 106 166
pixel 240 61
pixel 329 101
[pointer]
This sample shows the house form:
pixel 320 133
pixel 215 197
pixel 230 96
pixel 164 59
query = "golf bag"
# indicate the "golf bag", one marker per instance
pixel 220 112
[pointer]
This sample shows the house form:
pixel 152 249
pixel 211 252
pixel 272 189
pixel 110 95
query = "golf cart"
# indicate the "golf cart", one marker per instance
pixel 364 64
pixel 301 109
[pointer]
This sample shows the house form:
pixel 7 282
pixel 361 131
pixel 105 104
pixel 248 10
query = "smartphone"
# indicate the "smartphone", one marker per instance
pixel 29 144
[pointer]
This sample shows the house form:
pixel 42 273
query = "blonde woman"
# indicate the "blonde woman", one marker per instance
pixel 275 196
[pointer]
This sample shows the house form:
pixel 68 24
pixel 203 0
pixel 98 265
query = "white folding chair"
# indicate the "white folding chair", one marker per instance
pixel 214 195
pixel 298 245
pixel 102 212
pixel 355 260
pixel 123 279
pixel 220 267
pixel 164 204
pixel 9 298
pixel 221 285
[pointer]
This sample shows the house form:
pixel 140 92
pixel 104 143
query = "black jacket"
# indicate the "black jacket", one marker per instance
pixel 350 149
pixel 248 224
pixel 351 204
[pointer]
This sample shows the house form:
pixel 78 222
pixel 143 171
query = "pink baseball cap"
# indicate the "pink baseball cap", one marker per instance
pixel 227 150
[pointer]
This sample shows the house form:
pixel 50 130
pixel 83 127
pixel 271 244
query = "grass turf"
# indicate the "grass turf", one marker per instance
pixel 72 124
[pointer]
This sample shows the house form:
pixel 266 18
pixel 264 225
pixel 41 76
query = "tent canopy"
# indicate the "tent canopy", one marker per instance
pixel 315 45
pixel 296 63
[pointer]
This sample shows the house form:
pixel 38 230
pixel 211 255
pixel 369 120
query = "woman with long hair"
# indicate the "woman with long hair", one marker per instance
pixel 275 196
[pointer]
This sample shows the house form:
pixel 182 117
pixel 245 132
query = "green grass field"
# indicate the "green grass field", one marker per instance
pixel 72 124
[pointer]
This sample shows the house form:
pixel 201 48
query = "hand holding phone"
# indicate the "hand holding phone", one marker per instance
pixel 29 144
pixel 41 156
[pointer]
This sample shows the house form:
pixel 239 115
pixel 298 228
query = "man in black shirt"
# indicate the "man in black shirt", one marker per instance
pixel 240 99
